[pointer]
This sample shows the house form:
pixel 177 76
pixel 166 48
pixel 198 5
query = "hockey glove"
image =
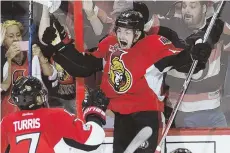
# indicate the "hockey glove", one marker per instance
pixel 62 33
pixel 191 40
pixel 201 52
pixel 49 35
pixel 213 38
pixel 95 105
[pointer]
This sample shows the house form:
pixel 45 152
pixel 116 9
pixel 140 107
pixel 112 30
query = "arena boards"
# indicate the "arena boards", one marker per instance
pixel 194 140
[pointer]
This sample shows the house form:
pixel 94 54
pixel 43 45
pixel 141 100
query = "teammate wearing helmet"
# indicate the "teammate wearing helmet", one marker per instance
pixel 181 150
pixel 133 74
pixel 38 129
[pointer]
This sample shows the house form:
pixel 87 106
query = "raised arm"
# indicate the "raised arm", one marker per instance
pixel 91 14
pixel 5 84
pixel 44 23
pixel 65 53
pixel 181 59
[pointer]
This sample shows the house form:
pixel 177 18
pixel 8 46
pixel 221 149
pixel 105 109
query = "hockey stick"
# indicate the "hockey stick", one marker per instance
pixel 30 36
pixel 187 81
pixel 140 138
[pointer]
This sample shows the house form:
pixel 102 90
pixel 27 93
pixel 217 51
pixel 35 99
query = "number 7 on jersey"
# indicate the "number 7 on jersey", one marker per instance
pixel 34 139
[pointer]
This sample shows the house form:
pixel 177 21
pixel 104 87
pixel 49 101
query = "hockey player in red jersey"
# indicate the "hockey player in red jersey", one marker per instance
pixel 37 129
pixel 133 74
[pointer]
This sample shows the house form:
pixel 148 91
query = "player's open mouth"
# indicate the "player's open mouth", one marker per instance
pixel 123 43
pixel 187 17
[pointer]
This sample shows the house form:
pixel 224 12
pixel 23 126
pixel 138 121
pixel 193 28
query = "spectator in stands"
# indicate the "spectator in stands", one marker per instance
pixel 105 15
pixel 17 63
pixel 165 27
pixel 195 19
pixel 4 84
pixel 16 10
pixel 63 93
pixel 201 103
pixel 93 26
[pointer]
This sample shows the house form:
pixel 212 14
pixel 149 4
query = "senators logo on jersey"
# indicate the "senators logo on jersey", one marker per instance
pixel 119 76
pixel 17 74
pixel 63 76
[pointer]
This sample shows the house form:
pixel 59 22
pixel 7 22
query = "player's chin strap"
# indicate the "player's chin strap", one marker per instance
pixel 187 80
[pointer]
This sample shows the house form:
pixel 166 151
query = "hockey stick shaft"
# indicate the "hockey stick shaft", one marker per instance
pixel 140 138
pixel 187 81
pixel 30 37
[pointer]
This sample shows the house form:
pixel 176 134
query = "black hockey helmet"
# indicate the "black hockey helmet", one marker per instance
pixel 142 8
pixel 130 19
pixel 28 94
pixel 181 150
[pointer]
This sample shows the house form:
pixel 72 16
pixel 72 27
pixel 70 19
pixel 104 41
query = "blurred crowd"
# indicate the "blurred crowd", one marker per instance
pixel 207 100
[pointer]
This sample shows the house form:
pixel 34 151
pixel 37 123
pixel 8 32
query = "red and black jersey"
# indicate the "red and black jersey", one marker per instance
pixel 48 130
pixel 7 104
pixel 133 78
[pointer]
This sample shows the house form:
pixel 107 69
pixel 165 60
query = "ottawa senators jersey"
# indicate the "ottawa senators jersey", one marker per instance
pixel 131 78
pixel 7 105
pixel 66 84
pixel 48 130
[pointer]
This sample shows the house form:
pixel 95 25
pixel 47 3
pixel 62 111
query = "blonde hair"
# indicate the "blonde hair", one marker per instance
pixel 8 23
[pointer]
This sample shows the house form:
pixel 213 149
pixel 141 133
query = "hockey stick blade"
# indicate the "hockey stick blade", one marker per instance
pixel 140 138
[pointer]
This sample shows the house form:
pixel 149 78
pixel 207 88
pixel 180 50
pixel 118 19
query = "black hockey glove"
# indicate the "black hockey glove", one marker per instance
pixel 183 61
pixel 201 52
pixel 49 35
pixel 95 105
pixel 191 40
pixel 214 35
pixel 63 34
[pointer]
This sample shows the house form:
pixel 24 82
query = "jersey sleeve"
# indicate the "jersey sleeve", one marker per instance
pixel 76 63
pixel 103 47
pixel 76 134
pixel 169 57
pixel 158 47
pixel 160 51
